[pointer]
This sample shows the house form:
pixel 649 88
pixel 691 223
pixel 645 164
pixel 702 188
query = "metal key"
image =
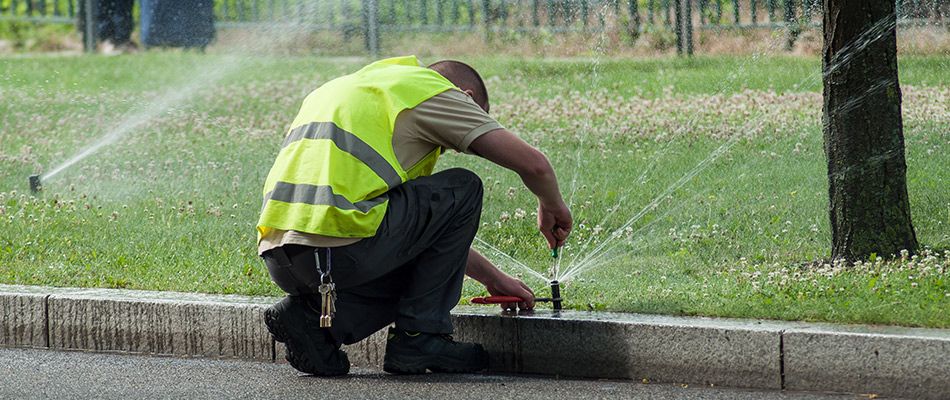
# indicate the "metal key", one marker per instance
pixel 332 299
pixel 327 306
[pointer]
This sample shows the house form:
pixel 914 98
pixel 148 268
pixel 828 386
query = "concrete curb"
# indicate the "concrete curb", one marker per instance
pixel 892 361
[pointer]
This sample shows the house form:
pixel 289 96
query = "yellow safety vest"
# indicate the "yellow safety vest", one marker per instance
pixel 337 162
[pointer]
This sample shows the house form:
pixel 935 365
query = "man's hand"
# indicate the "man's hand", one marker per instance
pixel 555 224
pixel 509 286
pixel 497 282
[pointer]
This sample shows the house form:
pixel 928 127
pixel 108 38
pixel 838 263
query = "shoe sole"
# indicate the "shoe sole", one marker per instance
pixel 419 365
pixel 276 329
pixel 280 334
pixel 295 354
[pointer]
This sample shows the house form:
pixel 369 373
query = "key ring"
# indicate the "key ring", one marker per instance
pixel 324 276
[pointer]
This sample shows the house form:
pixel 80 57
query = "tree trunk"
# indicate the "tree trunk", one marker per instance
pixel 863 131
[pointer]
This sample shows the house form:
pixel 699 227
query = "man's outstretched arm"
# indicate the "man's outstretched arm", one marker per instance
pixel 504 148
pixel 508 150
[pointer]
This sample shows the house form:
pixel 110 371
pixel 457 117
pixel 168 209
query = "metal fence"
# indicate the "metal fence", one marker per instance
pixel 427 15
pixel 39 11
pixel 367 18
pixel 550 15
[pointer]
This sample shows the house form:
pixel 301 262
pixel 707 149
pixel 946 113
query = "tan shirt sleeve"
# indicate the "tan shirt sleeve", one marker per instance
pixel 450 119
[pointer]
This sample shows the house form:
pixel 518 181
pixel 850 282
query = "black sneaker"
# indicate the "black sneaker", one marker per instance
pixel 413 353
pixel 310 348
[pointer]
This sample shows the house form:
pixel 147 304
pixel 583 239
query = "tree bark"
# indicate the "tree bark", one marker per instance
pixel 863 131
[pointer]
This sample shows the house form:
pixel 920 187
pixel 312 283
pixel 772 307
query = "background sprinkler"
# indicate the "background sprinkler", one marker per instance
pixel 35 185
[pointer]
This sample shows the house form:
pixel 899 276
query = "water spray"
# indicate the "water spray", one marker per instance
pixel 555 298
pixel 35 185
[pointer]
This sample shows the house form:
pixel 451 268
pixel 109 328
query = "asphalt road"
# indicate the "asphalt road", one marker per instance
pixel 50 374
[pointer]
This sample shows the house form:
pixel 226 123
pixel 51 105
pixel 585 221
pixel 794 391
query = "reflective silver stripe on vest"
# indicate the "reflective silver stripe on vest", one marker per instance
pixel 349 143
pixel 318 195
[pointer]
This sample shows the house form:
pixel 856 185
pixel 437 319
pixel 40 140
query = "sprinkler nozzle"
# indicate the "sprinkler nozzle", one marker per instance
pixel 35 185
pixel 556 294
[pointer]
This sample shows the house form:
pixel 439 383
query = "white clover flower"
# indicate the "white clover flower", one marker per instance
pixel 520 214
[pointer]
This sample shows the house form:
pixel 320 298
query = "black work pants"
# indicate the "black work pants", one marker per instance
pixel 410 273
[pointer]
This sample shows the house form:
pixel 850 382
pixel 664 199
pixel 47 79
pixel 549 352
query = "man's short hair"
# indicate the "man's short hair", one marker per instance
pixel 465 77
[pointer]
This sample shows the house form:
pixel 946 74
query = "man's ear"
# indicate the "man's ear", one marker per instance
pixel 471 94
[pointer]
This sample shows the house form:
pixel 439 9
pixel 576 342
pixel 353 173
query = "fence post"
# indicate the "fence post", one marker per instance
pixel 486 19
pixel 534 13
pixel 688 24
pixel 792 25
pixel 438 15
pixel 584 12
pixel 89 22
pixel 702 12
pixel 424 13
pixel 678 25
pixel 634 28
pixel 371 20
pixel 684 27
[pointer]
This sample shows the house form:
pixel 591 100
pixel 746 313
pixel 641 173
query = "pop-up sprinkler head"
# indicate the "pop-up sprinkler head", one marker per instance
pixel 556 294
pixel 35 185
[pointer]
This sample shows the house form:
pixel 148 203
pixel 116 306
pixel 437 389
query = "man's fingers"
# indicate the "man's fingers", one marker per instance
pixel 517 306
pixel 561 233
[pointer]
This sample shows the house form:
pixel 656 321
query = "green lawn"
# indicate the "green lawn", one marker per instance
pixel 698 185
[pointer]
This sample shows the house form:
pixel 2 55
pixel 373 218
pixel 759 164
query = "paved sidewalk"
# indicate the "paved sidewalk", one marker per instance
pixel 51 374
pixel 749 354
